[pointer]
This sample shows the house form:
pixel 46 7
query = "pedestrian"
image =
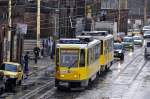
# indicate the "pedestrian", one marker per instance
pixel 53 49
pixel 26 66
pixel 43 43
pixel 49 45
pixel 36 51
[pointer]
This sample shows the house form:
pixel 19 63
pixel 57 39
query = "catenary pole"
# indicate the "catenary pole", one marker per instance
pixel 38 23
pixel 9 30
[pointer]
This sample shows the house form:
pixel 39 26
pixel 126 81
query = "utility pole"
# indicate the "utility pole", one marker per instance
pixel 126 4
pixel 145 12
pixel 85 9
pixel 9 31
pixel 38 23
pixel 119 15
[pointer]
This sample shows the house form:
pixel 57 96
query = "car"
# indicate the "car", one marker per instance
pixel 119 51
pixel 136 32
pixel 128 42
pixel 146 28
pixel 138 40
pixel 13 73
pixel 146 34
pixel 147 50
pixel 129 31
pixel 2 82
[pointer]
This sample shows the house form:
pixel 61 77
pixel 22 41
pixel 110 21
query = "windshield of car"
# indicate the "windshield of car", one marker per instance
pixel 136 31
pixel 147 32
pixel 148 44
pixel 137 38
pixel 69 58
pixel 127 40
pixel 8 67
pixel 118 46
pixel 146 27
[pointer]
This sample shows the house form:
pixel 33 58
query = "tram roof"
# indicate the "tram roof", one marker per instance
pixel 97 34
pixel 98 37
pixel 77 43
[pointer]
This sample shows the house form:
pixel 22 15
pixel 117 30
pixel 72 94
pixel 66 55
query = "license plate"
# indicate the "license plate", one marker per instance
pixel 63 83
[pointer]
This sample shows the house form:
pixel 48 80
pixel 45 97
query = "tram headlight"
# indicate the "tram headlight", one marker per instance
pixel 62 75
pixel 75 76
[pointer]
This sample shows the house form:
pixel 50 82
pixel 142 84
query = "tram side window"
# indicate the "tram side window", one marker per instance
pixel 57 56
pixel 82 57
pixel 101 47
pixel 112 44
pixel 90 56
pixel 97 51
pixel 109 45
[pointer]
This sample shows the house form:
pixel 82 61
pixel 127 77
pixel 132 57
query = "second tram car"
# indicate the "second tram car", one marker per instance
pixel 107 53
pixel 77 62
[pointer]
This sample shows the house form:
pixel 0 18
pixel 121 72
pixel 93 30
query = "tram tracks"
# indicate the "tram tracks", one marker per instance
pixel 127 65
pixel 130 72
pixel 39 91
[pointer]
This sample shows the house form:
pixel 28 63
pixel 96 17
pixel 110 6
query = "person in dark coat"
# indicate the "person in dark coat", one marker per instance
pixel 36 53
pixel 53 50
pixel 26 62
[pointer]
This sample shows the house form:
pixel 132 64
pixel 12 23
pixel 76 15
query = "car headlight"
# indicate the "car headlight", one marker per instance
pixel 12 76
pixel 130 45
pixel 119 52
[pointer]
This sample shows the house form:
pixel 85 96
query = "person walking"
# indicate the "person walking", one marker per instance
pixel 53 49
pixel 36 51
pixel 26 66
pixel 49 46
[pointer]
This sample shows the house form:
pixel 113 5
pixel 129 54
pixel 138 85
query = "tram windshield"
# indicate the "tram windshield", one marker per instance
pixel 69 57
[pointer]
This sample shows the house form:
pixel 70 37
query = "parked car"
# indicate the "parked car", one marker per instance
pixel 146 28
pixel 13 73
pixel 128 42
pixel 147 49
pixel 119 51
pixel 2 82
pixel 138 40
pixel 146 34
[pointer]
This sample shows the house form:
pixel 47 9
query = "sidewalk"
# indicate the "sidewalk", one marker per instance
pixel 42 63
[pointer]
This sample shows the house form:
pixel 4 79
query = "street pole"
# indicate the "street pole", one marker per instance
pixel 58 17
pixel 126 4
pixel 145 12
pixel 55 24
pixel 9 31
pixel 119 16
pixel 85 9
pixel 38 23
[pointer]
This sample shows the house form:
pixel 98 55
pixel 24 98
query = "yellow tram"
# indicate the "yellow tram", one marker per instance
pixel 77 62
pixel 107 53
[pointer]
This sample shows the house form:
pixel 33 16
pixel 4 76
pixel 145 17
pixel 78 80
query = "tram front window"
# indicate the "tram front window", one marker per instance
pixel 69 58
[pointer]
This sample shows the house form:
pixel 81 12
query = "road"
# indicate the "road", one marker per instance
pixel 128 79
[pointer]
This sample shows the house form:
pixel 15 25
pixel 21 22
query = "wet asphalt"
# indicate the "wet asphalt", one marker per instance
pixel 128 79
